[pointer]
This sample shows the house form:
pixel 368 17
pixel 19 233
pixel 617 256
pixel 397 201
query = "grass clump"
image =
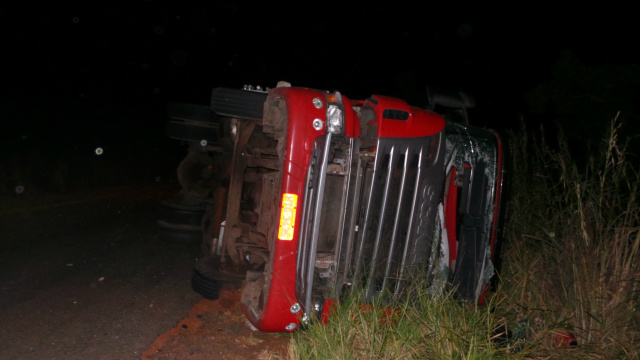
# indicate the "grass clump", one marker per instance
pixel 572 254
pixel 425 326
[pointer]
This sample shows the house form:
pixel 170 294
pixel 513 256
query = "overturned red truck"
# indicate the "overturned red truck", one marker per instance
pixel 306 195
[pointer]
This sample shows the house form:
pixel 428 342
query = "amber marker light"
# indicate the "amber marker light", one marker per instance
pixel 288 216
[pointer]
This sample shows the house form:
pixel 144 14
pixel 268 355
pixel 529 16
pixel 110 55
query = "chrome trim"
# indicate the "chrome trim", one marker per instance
pixel 311 214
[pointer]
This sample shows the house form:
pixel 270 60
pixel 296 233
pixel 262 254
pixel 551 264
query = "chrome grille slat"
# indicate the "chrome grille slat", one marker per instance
pixel 362 228
pixel 347 221
pixel 309 226
pixel 354 195
pixel 408 238
pixel 392 246
pixel 376 247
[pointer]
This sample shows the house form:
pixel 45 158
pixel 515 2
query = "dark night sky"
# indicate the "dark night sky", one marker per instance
pixel 102 73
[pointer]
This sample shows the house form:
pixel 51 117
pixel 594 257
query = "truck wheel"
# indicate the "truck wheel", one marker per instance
pixel 180 236
pixel 206 286
pixel 193 131
pixel 209 283
pixel 191 112
pixel 238 103
pixel 208 278
pixel 176 213
pixel 180 223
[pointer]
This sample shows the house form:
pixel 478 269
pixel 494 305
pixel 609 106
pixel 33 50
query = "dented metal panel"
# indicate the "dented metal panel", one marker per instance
pixel 474 154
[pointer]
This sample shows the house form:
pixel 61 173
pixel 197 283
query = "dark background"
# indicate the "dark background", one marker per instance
pixel 100 74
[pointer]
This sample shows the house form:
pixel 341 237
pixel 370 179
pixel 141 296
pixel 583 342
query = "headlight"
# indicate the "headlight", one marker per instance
pixel 334 119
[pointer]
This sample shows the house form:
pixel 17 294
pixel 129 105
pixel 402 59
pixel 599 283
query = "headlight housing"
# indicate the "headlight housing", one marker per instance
pixel 335 119
pixel 335 116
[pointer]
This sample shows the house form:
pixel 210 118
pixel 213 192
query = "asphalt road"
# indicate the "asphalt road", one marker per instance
pixel 85 275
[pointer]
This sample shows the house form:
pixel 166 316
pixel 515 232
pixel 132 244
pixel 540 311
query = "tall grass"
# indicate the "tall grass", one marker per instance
pixel 572 254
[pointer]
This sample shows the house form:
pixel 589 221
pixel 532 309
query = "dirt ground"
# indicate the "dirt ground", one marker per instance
pixel 86 276
pixel 217 330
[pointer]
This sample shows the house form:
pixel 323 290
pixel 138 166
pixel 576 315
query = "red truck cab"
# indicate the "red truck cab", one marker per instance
pixel 324 196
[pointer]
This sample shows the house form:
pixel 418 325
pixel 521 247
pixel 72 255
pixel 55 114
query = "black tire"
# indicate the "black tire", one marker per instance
pixel 191 112
pixel 238 103
pixel 208 279
pixel 190 131
pixel 206 286
pixel 180 236
pixel 180 224
pixel 174 213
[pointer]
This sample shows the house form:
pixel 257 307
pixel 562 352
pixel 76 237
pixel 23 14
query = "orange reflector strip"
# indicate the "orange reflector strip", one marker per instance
pixel 288 216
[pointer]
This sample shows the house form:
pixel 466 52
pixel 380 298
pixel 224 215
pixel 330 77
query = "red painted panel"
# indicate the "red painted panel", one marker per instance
pixel 276 314
pixel 419 122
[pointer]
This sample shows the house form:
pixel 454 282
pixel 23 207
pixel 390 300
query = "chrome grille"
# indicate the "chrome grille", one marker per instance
pixel 396 215
pixel 385 224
